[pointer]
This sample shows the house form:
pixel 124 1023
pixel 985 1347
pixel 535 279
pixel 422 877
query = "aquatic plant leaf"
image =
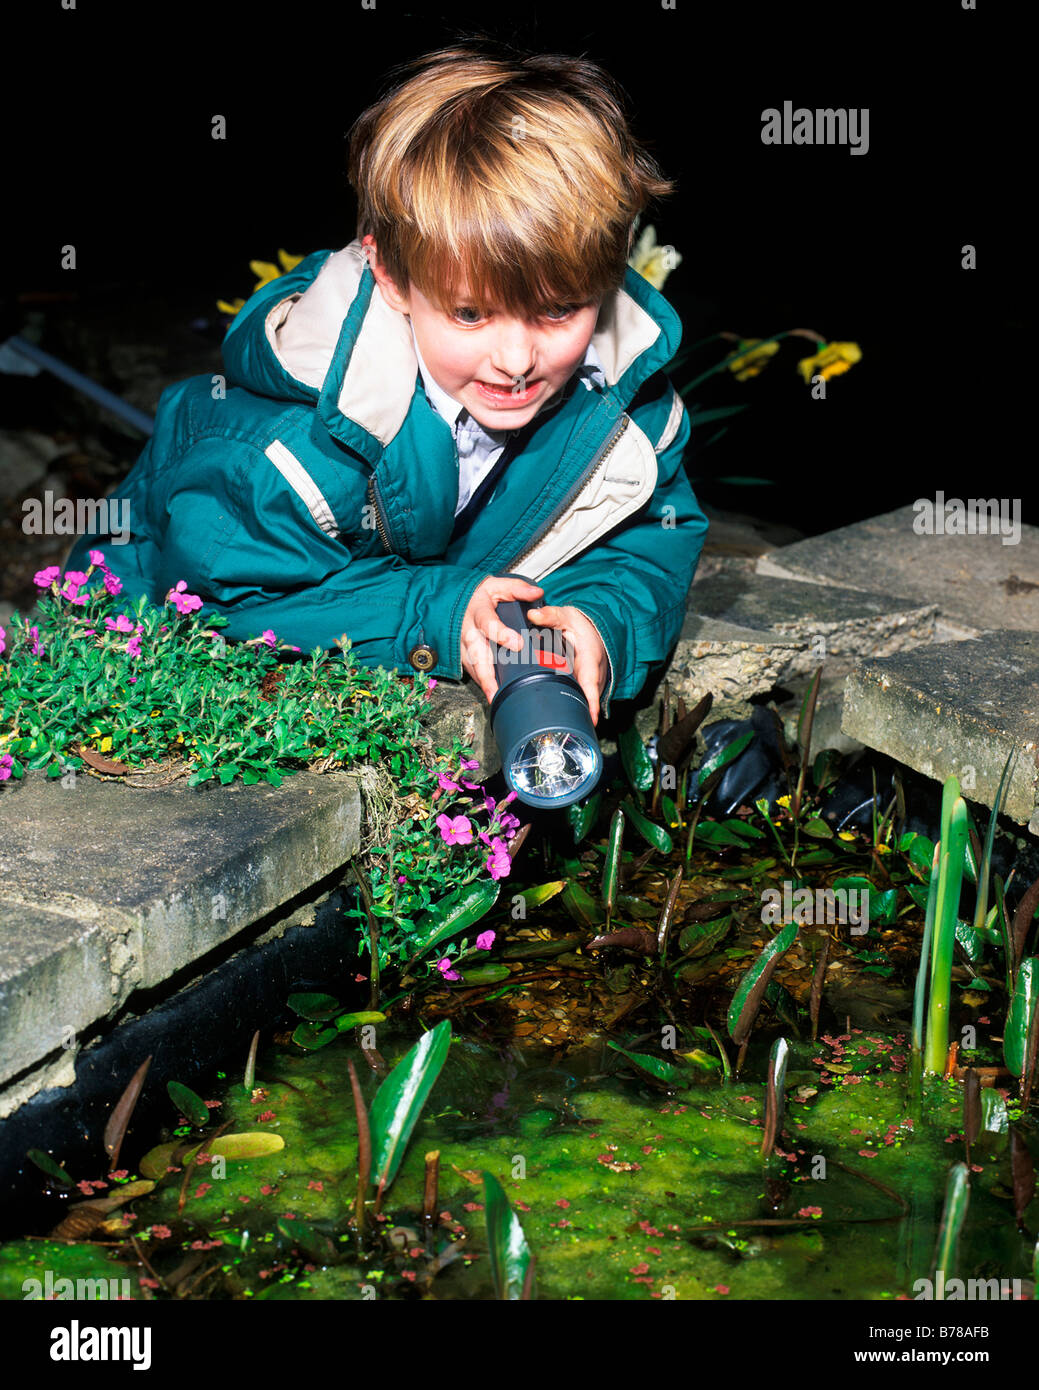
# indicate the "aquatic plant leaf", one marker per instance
pixel 818 978
pixel 656 1066
pixel 532 949
pixel 826 768
pixel 458 911
pixel 724 756
pixel 507 1248
pixel 582 907
pixel 315 1006
pixel 633 906
pixel 630 938
pixel 306 1238
pixel 156 1161
pixel 398 1104
pixel 981 904
pixel 815 856
pixel 540 893
pixel 1019 1015
pixel 313 1035
pixel 354 1020
pixel 711 832
pixel 921 853
pixel 950 879
pixel 1022 1169
pixel 254 1143
pixel 954 1213
pixel 486 974
pixel 582 815
pixel 993 1111
pixel 818 828
pixel 637 764
pixel 775 1096
pixel 675 747
pixel 744 828
pixel 47 1165
pixel 973 942
pixel 667 915
pixel 700 938
pixel 190 1105
pixel 611 864
pixel 654 835
pixel 115 1129
pixel 971 1106
pixel 250 1062
pixel 1023 920
pixel 747 999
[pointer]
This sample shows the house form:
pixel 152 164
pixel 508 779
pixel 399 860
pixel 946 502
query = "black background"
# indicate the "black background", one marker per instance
pixel 108 147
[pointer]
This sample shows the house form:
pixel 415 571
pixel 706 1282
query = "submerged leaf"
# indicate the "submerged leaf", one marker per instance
pixel 314 1006
pixel 635 760
pixel 656 1066
pixel 255 1143
pixel 398 1104
pixel 1019 1015
pixel 747 999
pixel 115 1129
pixel 510 1257
pixel 47 1165
pixel 190 1105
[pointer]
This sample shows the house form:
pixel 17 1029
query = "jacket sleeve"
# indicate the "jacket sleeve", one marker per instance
pixel 245 542
pixel 634 583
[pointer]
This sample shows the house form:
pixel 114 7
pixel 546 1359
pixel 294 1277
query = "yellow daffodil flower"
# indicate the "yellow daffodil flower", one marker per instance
pixel 749 359
pixel 267 271
pixel 654 263
pixel 831 360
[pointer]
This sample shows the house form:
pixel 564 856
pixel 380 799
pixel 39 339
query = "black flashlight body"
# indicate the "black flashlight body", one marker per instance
pixel 538 698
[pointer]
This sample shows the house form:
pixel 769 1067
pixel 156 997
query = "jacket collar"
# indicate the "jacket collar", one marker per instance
pixel 334 341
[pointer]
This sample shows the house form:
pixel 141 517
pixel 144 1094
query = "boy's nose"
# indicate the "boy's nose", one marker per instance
pixel 514 354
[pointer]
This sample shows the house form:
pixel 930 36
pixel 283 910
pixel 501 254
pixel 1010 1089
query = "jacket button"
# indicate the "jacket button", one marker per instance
pixel 423 658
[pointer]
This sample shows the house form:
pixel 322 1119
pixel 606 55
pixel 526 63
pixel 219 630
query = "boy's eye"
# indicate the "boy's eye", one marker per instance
pixel 461 311
pixel 560 311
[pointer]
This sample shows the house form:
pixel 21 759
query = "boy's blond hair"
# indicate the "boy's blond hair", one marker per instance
pixel 518 173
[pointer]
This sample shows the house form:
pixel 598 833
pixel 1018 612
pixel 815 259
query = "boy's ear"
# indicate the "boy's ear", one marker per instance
pixel 387 288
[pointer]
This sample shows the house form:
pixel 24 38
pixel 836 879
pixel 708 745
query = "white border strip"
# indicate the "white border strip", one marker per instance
pixel 303 485
pixel 673 422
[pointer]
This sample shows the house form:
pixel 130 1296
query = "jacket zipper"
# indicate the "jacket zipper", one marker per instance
pixel 383 533
pixel 582 482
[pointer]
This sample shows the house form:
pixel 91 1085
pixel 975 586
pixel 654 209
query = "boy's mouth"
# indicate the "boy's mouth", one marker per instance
pixel 508 396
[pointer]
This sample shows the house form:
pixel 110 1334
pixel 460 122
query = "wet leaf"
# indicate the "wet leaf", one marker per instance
pixel 304 1237
pixel 674 747
pixel 971 1106
pixel 744 828
pixel 355 1020
pixel 540 893
pixel 818 828
pixel 453 914
pixel 581 906
pixel 993 1110
pixel 723 757
pixel 398 1104
pixel 630 938
pixel 255 1143
pixel 511 1262
pixel 532 950
pixel 633 906
pixel 115 1129
pixel 1023 920
pixel 582 815
pixel 747 999
pixel 47 1165
pixel 486 974
pixel 655 1066
pixel 191 1106
pixel 1019 1015
pixel 611 864
pixel 700 938
pixel 156 1161
pixel 654 835
pixel 954 1213
pixel 315 1006
pixel 710 832
pixel 313 1035
pixel 637 764
pixel 775 1095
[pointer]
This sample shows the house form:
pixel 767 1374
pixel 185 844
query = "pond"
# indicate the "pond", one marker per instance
pixel 631 1106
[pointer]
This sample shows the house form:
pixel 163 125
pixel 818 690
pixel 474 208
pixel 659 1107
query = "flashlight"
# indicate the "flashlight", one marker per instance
pixel 539 716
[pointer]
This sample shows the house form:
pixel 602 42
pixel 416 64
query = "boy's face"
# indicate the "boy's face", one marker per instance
pixel 502 369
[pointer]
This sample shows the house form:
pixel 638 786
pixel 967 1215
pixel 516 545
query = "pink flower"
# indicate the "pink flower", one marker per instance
pixel 470 763
pixel 444 966
pixel 113 585
pixel 133 647
pixel 121 624
pixel 456 831
pixel 44 578
pixel 445 784
pixel 432 682
pixel 76 577
pixel 3 645
pixel 267 636
pixel 499 864
pixel 185 603
pixel 485 941
pixel 161 1232
pixel 6 763
pixel 97 557
pixel 37 649
pixel 401 878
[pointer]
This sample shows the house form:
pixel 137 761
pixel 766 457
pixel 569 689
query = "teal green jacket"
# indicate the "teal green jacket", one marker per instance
pixel 312 490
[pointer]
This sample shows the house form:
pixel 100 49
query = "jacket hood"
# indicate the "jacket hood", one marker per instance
pixel 323 335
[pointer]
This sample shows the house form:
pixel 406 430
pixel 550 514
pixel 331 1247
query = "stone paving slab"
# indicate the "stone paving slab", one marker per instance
pixel 977 581
pixel 129 886
pixel 956 706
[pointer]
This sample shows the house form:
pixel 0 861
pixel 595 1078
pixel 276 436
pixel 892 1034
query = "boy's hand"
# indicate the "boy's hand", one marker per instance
pixel 481 626
pixel 591 664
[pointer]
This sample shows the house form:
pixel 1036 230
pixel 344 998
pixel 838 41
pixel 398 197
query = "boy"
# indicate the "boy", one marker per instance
pixel 469 392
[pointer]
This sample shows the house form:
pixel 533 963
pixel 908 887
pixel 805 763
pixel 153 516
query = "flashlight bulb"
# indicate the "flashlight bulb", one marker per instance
pixel 551 759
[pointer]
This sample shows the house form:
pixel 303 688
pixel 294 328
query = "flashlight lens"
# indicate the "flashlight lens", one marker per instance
pixel 551 765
